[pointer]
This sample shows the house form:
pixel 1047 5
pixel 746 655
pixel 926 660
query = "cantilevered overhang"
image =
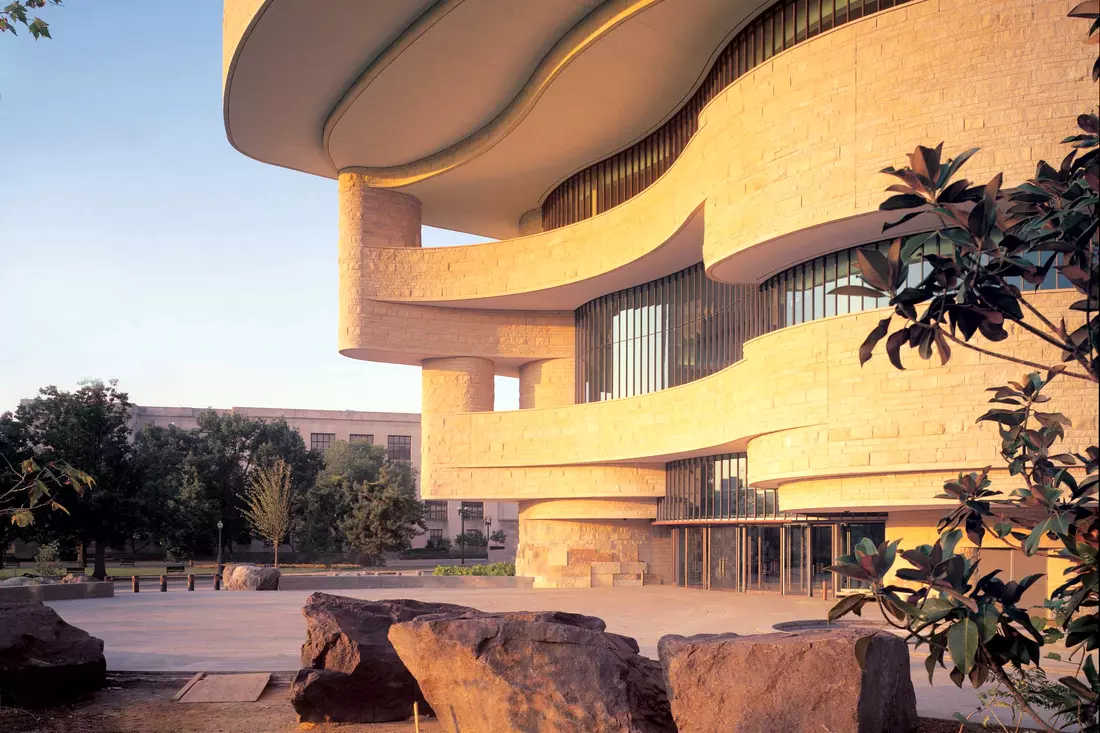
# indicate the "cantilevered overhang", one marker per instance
pixel 477 107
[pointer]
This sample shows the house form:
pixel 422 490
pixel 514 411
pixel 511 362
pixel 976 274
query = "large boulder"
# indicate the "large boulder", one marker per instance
pixel 250 577
pixel 20 581
pixel 351 673
pixel 529 672
pixel 807 680
pixel 43 660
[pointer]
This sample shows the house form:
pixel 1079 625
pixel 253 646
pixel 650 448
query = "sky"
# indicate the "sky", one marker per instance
pixel 136 244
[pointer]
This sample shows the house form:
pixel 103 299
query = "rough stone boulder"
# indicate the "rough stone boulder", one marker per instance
pixel 807 680
pixel 530 672
pixel 20 581
pixel 250 577
pixel 351 673
pixel 43 660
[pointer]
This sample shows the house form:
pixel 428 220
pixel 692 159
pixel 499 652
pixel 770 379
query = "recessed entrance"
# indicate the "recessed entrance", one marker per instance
pixel 777 557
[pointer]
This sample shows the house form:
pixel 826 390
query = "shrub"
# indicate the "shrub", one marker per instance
pixel 46 560
pixel 496 568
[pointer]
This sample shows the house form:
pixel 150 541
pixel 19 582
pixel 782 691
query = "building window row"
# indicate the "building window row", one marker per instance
pixel 399 447
pixel 714 487
pixel 685 326
pixel 618 178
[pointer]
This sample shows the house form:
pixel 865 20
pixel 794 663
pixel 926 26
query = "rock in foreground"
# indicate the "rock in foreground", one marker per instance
pixel 43 660
pixel 351 673
pixel 529 672
pixel 250 577
pixel 769 683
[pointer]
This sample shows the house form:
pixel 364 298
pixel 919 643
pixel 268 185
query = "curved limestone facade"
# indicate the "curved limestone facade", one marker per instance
pixel 692 408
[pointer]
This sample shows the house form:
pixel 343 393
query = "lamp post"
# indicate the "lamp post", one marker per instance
pixel 220 567
pixel 462 511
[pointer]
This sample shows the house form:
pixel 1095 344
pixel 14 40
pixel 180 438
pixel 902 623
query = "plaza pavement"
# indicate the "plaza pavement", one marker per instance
pixel 241 631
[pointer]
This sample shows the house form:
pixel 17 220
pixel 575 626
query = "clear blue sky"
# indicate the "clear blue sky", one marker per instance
pixel 136 244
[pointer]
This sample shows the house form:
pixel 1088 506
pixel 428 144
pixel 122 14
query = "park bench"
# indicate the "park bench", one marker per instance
pixel 174 569
pixel 126 563
pixel 74 569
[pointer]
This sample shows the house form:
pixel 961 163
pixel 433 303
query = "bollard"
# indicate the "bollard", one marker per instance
pixel 217 582
pixel 134 583
pixel 824 590
pixel 164 584
pixel 190 582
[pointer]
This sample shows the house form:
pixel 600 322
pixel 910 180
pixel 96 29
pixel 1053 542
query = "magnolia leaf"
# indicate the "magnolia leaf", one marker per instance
pixel 962 643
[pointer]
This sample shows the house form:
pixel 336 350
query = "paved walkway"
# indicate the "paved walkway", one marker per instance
pixel 237 631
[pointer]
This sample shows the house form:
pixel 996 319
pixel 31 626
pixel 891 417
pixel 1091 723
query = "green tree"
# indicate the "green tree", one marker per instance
pixel 993 242
pixel 15 14
pixel 383 515
pixel 321 510
pixel 88 429
pixel 26 486
pixel 228 447
pixel 268 502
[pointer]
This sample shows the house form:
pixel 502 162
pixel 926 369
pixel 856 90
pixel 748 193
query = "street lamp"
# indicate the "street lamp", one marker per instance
pixel 220 567
pixel 462 512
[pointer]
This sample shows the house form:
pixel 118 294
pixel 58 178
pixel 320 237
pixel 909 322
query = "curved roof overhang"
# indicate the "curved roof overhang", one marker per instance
pixel 477 107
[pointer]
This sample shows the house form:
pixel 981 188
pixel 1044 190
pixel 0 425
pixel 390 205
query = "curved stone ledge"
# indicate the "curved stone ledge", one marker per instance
pixel 408 334
pixel 598 23
pixel 786 159
pixel 799 404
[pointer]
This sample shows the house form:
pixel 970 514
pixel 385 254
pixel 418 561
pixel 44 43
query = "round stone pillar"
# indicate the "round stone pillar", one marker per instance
pixel 450 386
pixel 376 217
pixel 547 383
pixel 457 384
pixel 531 222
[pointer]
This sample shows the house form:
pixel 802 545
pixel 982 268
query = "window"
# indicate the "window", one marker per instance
pixel 399 447
pixel 360 438
pixel 435 511
pixel 474 509
pixel 321 441
pixel 434 536
pixel 714 487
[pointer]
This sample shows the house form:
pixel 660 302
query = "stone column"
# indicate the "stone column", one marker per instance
pixel 449 386
pixel 547 383
pixel 376 217
pixel 531 222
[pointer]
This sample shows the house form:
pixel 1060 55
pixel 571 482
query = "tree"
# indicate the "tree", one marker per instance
pixel 498 537
pixel 471 538
pixel 268 502
pixel 321 510
pixel 995 240
pixel 229 446
pixel 25 485
pixel 14 14
pixel 88 429
pixel 384 515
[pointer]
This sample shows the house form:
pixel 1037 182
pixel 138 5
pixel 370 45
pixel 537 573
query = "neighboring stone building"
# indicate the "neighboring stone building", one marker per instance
pixel 677 186
pixel 397 432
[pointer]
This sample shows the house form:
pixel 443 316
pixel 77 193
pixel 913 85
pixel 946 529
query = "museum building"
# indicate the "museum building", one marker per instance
pixel 675 188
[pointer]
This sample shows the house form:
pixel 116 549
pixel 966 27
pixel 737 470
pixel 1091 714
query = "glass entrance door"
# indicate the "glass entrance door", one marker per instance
pixel 693 553
pixel 725 570
pixel 821 555
pixel 796 571
pixel 764 558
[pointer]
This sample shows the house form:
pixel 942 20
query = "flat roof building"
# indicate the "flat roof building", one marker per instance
pixel 676 188
pixel 397 432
